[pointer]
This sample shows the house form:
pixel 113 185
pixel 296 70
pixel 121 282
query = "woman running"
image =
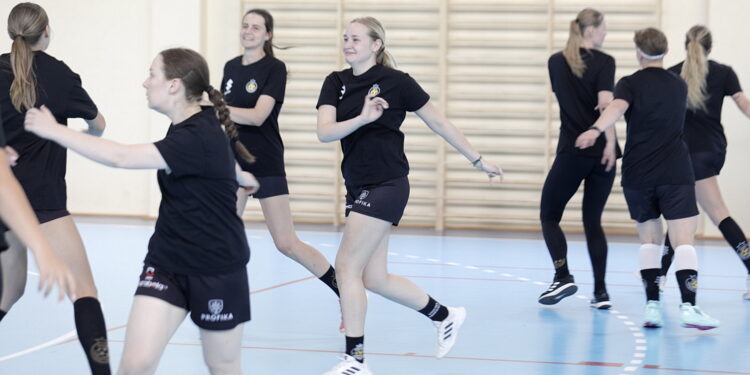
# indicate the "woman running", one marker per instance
pixel 254 85
pixel 197 256
pixel 708 83
pixel 364 107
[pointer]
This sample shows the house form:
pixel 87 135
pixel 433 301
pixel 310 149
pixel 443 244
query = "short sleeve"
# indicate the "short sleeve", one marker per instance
pixel 183 150
pixel 624 91
pixel 224 78
pixel 412 95
pixel 331 91
pixel 79 104
pixel 275 86
pixel 606 77
pixel 732 83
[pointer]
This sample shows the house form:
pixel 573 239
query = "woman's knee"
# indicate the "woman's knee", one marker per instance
pixel 137 364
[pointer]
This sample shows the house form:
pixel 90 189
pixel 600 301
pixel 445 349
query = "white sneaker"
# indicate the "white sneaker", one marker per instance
pixel 447 330
pixel 349 366
pixel 747 294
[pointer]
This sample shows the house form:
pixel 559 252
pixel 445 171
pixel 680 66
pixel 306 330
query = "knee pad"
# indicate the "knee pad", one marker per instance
pixel 650 256
pixel 685 258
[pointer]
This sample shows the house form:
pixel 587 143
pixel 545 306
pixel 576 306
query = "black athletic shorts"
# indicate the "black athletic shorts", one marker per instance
pixel 707 164
pixel 672 201
pixel 384 201
pixel 216 303
pixel 271 186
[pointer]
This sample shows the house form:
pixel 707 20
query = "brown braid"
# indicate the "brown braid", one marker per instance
pixel 230 128
pixel 190 67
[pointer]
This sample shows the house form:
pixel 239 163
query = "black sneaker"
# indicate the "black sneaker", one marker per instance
pixel 559 289
pixel 601 301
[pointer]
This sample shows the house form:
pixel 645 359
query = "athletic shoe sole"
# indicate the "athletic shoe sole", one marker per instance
pixel 602 305
pixel 702 328
pixel 565 291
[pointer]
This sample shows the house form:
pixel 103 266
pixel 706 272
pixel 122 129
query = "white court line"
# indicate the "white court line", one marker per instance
pixel 47 344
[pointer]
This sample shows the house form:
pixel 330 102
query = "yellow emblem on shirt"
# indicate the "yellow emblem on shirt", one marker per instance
pixel 374 90
pixel 251 86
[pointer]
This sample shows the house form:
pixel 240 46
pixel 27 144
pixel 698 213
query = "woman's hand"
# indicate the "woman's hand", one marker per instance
pixel 587 138
pixel 12 156
pixel 52 271
pixel 372 109
pixel 490 168
pixel 248 182
pixel 609 156
pixel 41 122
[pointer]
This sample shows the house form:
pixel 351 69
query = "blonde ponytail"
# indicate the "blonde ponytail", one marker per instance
pixel 26 24
pixel 376 31
pixel 695 68
pixel 572 52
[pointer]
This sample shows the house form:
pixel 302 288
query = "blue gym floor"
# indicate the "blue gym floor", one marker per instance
pixel 295 317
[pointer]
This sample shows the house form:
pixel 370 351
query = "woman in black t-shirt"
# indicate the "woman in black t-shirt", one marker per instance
pixel 657 177
pixel 364 108
pixel 16 211
pixel 254 86
pixel 197 256
pixel 582 78
pixel 28 78
pixel 708 83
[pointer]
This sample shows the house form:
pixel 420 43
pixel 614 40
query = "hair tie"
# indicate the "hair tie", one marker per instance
pixel 209 89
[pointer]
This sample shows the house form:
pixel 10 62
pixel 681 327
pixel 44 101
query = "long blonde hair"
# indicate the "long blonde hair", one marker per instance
pixel 26 24
pixel 695 68
pixel 572 52
pixel 377 32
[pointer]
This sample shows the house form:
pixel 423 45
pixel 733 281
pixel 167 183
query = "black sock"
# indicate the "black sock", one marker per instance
pixel 2 314
pixel 666 256
pixel 92 333
pixel 688 281
pixel 329 278
pixel 736 238
pixel 557 246
pixel 355 347
pixel 651 283
pixel 434 310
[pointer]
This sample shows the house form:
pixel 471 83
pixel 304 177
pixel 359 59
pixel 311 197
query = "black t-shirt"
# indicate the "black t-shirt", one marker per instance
pixel 577 97
pixel 703 130
pixel 655 149
pixel 41 164
pixel 373 153
pixel 198 231
pixel 242 86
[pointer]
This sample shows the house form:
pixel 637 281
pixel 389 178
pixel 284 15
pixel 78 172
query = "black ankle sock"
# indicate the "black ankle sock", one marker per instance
pixel 92 333
pixel 688 282
pixel 666 256
pixel 651 283
pixel 355 347
pixel 434 310
pixel 329 278
pixel 736 238
pixel 2 314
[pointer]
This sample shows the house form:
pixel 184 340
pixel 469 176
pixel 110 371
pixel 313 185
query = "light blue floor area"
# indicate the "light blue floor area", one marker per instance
pixel 295 318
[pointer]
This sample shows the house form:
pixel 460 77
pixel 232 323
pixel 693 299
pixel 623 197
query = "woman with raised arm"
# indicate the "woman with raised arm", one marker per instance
pixel 657 178
pixel 29 77
pixel 197 256
pixel 364 108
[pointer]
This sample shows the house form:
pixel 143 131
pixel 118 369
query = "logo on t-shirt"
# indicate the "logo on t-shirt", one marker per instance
pixel 228 87
pixel 374 90
pixel 215 307
pixel 343 91
pixel 251 86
